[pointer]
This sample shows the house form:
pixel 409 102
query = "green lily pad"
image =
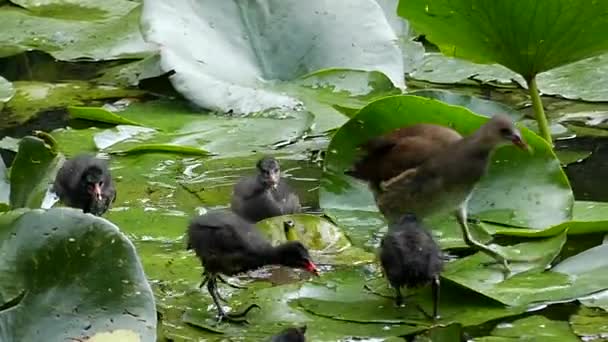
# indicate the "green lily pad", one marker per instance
pixel 254 47
pixel 71 30
pixel 5 186
pixel 474 30
pixel 6 91
pixel 437 68
pixel 33 169
pixel 575 277
pixel 520 189
pixel 474 104
pixel 229 137
pixel 526 283
pixel 130 74
pixel 341 296
pixel 99 114
pixel 531 328
pixel 580 80
pixel 590 324
pixel 587 218
pixel 327 242
pixel 68 275
pixel 32 97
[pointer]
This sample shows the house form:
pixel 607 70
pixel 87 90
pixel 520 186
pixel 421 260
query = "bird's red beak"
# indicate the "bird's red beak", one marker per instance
pixel 312 268
pixel 97 191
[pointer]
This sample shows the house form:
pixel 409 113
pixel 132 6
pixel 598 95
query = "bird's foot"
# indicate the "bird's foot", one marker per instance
pixel 236 317
pixel 426 314
pixel 499 259
pixel 231 284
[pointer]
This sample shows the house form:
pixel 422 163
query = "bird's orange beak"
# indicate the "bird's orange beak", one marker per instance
pixel 518 141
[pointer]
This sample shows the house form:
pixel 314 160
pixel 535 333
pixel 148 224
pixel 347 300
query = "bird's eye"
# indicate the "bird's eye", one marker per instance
pixel 505 132
pixel 101 183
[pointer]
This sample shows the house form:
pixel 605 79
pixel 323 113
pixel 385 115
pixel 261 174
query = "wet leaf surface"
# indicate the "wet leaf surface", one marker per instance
pixel 71 30
pixel 77 274
pixel 33 170
pixel 533 327
pixel 254 48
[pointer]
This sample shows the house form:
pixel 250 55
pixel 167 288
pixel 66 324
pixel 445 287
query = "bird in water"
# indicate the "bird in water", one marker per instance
pixel 410 258
pixel 265 194
pixel 85 182
pixel 429 169
pixel 291 335
pixel 228 244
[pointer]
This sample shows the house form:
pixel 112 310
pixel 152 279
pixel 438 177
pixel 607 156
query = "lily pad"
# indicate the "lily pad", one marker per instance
pixel 474 104
pixel 327 241
pixel 575 277
pixel 520 189
pixel 32 171
pixel 71 30
pixel 438 68
pixel 257 44
pixel 229 137
pixel 590 324
pixel 69 275
pixel 341 296
pixel 580 80
pixel 32 97
pixel 526 283
pixel 531 328
pixel 99 114
pixel 587 218
pixel 161 148
pixel 130 74
pixel 474 30
pixel 5 187
pixel 6 91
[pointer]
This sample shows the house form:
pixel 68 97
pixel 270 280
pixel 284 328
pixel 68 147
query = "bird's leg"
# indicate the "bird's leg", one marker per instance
pixel 435 285
pixel 205 279
pixel 230 284
pixel 222 315
pixel 398 296
pixel 461 216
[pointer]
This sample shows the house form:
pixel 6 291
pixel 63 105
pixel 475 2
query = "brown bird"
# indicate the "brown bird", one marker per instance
pixel 428 169
pixel 265 194
pixel 410 257
pixel 228 244
pixel 85 182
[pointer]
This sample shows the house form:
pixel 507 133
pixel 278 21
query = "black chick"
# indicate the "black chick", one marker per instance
pixel 85 182
pixel 264 195
pixel 290 335
pixel 410 257
pixel 227 244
